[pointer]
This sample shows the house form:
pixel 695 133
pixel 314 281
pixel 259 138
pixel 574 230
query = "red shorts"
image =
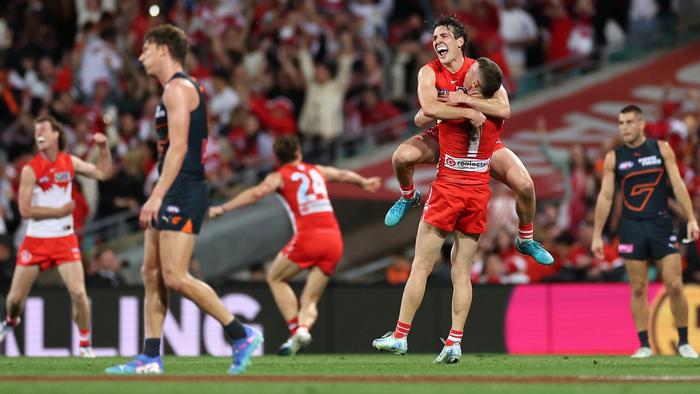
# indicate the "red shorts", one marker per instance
pixel 315 248
pixel 48 253
pixel 452 207
pixel 433 133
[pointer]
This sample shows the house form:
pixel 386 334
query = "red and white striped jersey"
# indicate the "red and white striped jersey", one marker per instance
pixel 305 196
pixel 52 189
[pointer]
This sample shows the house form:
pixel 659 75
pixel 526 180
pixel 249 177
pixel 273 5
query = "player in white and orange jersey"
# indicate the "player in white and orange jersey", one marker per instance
pixel 317 244
pixel 45 199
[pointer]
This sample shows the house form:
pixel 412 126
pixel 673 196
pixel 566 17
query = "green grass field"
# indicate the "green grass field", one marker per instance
pixel 366 374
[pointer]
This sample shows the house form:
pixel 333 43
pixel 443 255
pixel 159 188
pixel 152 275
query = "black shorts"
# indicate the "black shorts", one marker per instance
pixel 649 238
pixel 184 207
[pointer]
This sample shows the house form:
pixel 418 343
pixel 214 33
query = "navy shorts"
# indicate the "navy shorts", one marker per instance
pixel 184 207
pixel 649 238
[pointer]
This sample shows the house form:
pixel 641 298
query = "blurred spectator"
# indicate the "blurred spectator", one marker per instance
pixel 642 24
pixel 100 60
pixel 397 273
pixel 7 264
pixel 380 116
pixel 519 32
pixel 223 100
pixel 104 270
pixel 576 169
pixel 321 118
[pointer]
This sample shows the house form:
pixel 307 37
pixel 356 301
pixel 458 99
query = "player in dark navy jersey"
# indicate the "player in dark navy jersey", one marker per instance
pixel 173 213
pixel 646 172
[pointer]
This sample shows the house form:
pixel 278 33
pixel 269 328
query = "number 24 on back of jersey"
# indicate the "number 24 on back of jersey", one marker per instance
pixel 312 195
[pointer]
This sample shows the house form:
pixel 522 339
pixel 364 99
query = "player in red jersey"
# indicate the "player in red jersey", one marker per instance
pixel 317 244
pixel 457 205
pixel 45 200
pixel 440 99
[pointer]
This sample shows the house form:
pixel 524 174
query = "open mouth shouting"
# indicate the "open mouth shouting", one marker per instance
pixel 441 50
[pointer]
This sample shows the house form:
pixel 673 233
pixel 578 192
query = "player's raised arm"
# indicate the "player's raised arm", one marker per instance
pixel 604 203
pixel 103 170
pixel 269 185
pixel 333 174
pixel 26 186
pixel 432 108
pixel 679 189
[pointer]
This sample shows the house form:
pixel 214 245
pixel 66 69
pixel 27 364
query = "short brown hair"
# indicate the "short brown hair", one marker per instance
pixel 490 76
pixel 285 148
pixel 631 108
pixel 55 126
pixel 172 37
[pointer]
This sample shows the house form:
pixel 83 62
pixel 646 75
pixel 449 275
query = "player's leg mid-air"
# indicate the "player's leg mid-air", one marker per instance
pixel 506 167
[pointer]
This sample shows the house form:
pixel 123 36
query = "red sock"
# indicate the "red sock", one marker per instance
pixel 84 337
pixel 402 330
pixel 525 231
pixel 11 321
pixel 454 337
pixel 408 192
pixel 293 324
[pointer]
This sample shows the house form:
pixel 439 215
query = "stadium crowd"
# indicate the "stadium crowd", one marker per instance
pixel 330 71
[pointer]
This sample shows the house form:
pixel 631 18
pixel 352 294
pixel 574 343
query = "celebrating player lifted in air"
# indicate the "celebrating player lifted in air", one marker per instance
pixel 175 210
pixel 457 204
pixel 644 168
pixel 317 244
pixel 45 199
pixel 450 47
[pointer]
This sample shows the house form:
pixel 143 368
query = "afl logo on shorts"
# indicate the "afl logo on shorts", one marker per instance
pixel 172 209
pixel 25 256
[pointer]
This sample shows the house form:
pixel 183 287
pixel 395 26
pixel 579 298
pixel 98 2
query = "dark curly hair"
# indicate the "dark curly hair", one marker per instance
pixel 455 26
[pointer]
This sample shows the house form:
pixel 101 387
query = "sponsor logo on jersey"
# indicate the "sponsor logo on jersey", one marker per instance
pixel 649 161
pixel 44 179
pixel 465 164
pixel 63 176
pixel 626 165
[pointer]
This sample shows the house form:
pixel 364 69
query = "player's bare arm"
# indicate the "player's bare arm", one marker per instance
pixel 432 108
pixel 423 121
pixel 604 203
pixel 497 106
pixel 679 189
pixel 179 98
pixel 103 170
pixel 269 185
pixel 333 174
pixel 26 185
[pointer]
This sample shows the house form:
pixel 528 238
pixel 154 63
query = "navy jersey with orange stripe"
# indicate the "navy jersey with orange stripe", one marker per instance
pixel 641 175
pixel 193 164
pixel 185 203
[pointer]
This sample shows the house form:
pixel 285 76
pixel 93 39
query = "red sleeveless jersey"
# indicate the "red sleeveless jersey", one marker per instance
pixel 52 189
pixel 465 152
pixel 306 198
pixel 446 80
